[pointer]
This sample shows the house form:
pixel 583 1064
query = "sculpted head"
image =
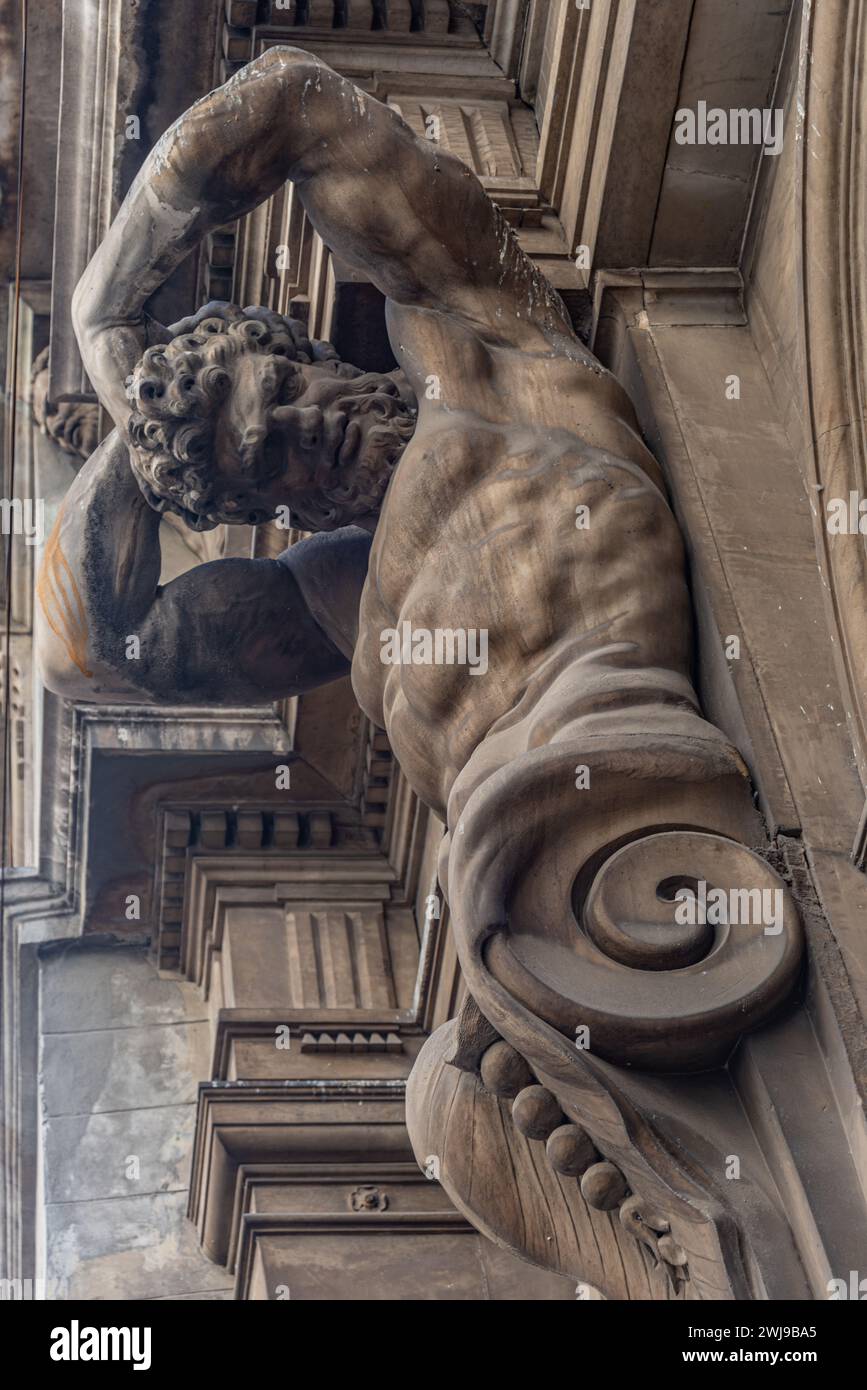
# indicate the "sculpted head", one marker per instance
pixel 242 414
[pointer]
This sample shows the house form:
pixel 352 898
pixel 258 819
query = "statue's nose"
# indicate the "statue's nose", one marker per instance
pixel 304 424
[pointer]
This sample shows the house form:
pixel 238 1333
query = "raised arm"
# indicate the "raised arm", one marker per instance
pixel 231 631
pixel 412 217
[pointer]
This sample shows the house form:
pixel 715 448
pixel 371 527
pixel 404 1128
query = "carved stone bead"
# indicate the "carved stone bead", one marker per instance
pixel 570 1151
pixel 504 1071
pixel 536 1112
pixel 604 1187
pixel 671 1252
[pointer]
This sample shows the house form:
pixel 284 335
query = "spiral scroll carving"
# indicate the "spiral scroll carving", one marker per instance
pixel 732 956
pixel 665 945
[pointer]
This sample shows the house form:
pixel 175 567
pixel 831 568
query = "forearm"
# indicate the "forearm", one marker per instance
pixel 414 219
pixel 219 160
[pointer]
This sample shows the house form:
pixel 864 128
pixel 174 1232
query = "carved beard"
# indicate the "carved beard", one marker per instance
pixel 357 488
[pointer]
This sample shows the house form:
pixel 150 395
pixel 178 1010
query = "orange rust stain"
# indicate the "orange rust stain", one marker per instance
pixel 61 602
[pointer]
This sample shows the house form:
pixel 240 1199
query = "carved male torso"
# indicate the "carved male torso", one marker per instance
pixel 520 500
pixel 483 527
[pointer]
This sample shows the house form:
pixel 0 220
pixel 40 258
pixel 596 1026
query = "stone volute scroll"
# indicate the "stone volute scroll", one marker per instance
pixel 587 834
pixel 618 928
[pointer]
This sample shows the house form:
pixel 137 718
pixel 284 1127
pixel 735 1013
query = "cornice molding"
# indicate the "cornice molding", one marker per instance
pixel 286 1123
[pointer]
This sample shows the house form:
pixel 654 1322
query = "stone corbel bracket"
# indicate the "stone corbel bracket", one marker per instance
pixel 603 1021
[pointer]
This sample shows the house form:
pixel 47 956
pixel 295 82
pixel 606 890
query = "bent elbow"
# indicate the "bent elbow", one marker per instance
pixel 282 57
pixel 79 306
pixel 71 682
pixel 56 667
pixel 286 69
pixel 66 681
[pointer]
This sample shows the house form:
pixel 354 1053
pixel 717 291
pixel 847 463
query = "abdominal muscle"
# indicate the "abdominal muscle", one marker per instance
pixel 547 560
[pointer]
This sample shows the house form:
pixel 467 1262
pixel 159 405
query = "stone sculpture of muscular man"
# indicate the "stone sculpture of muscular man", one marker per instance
pixel 451 509
pixel 237 414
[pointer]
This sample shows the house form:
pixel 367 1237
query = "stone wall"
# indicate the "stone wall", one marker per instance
pixel 122 1052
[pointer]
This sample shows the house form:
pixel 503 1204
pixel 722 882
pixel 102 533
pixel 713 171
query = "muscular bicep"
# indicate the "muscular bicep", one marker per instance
pixel 231 631
pixel 258 630
pixel 415 218
pixel 234 631
pixel 402 210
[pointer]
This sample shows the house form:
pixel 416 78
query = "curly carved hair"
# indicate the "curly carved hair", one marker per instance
pixel 176 392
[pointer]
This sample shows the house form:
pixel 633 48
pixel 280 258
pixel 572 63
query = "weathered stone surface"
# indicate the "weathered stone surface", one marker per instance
pixel 124 1068
pixel 730 63
pixel 122 1154
pixel 122 1055
pixel 86 990
pixel 126 1248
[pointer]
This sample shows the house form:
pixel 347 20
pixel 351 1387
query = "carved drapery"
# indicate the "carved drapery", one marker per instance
pixel 565 918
